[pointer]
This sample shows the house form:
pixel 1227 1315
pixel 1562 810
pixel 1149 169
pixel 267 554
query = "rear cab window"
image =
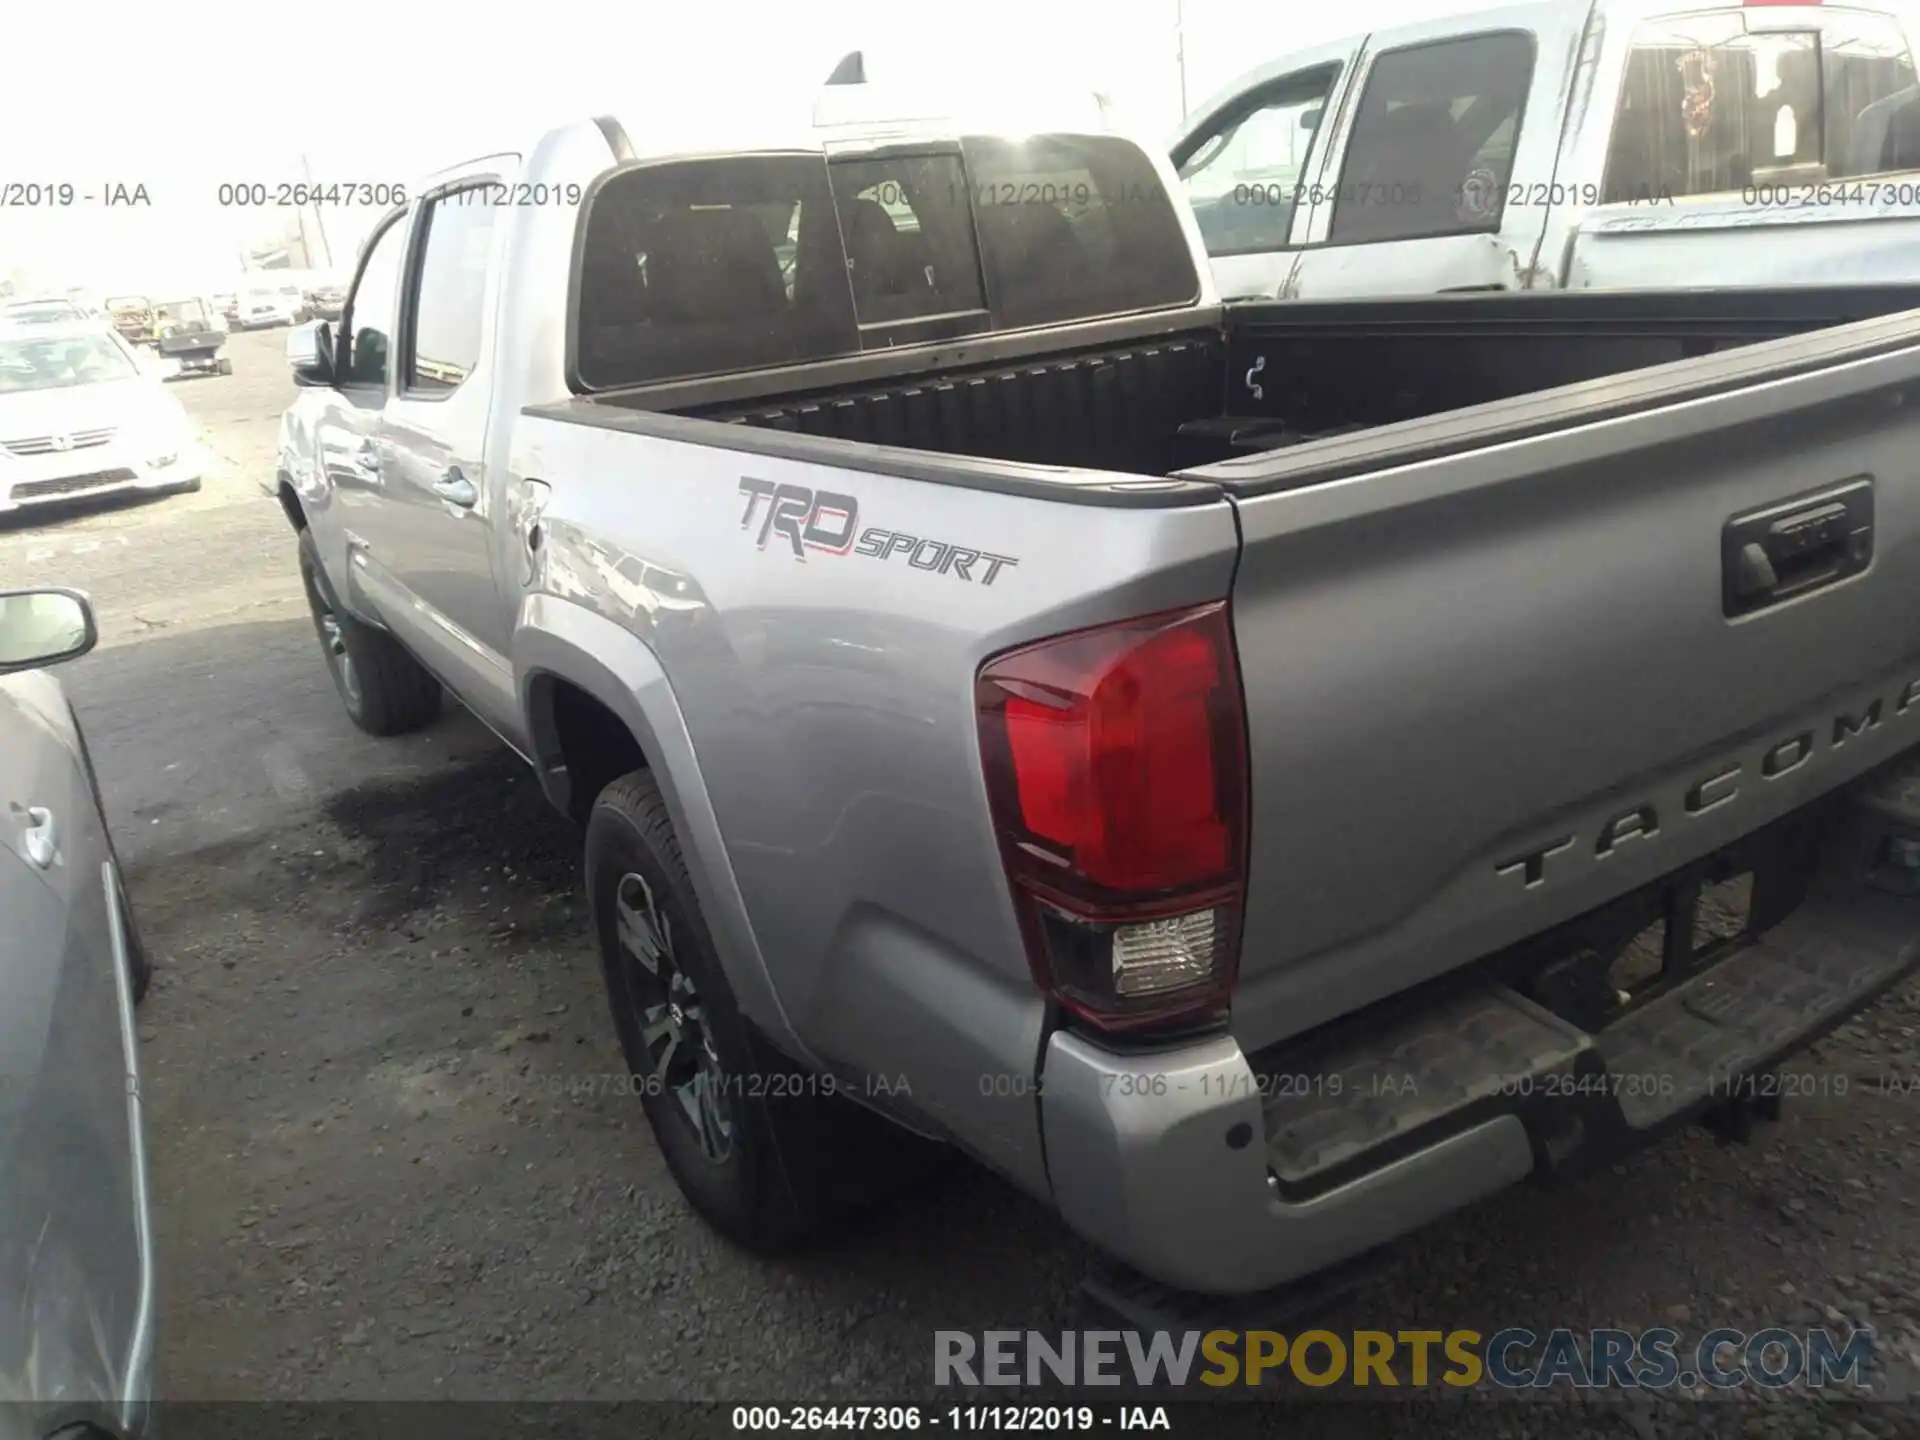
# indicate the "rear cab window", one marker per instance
pixel 907 229
pixel 1073 227
pixel 1748 104
pixel 1431 150
pixel 710 266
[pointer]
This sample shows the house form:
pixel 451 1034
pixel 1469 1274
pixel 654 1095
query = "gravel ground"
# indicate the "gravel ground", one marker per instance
pixel 385 1166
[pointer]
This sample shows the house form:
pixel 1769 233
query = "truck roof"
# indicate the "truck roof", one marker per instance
pixel 845 117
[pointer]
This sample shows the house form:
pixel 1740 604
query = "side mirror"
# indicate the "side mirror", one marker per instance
pixel 310 353
pixel 44 627
pixel 1310 119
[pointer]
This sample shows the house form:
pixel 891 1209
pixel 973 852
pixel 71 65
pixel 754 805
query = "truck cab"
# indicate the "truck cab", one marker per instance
pixel 1617 143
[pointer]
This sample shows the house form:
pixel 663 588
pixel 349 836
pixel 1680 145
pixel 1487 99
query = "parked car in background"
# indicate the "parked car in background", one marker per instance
pixel 1008 692
pixel 266 305
pixel 324 300
pixel 41 312
pixel 1609 144
pixel 132 317
pixel 82 416
pixel 76 1250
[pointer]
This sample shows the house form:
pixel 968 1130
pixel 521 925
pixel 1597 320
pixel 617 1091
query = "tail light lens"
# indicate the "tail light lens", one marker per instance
pixel 1116 769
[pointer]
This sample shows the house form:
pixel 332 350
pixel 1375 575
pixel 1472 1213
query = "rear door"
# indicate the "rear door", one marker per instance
pixel 1493 676
pixel 1247 158
pixel 434 540
pixel 1439 176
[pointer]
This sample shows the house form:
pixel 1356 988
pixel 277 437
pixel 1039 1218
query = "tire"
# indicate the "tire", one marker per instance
pixel 225 367
pixel 781 1155
pixel 385 690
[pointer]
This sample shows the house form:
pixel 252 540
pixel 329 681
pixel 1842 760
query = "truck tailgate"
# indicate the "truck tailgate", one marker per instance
pixel 1492 682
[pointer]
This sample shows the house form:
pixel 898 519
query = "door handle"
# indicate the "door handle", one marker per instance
pixel 454 488
pixel 38 838
pixel 1795 547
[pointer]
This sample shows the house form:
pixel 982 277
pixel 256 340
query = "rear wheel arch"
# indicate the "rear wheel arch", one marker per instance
pixel 289 499
pixel 582 744
pixel 597 706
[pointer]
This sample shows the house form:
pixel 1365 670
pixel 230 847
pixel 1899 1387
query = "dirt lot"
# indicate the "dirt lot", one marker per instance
pixel 375 1052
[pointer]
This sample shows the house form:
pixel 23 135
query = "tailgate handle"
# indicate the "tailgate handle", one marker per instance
pixel 1796 546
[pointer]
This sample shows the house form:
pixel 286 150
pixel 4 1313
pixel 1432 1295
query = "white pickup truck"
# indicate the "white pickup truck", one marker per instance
pixel 1576 144
pixel 1210 763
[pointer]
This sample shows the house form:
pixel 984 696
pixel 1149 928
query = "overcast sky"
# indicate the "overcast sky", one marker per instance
pixel 383 90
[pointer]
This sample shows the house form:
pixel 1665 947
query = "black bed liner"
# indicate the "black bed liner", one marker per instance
pixel 1110 413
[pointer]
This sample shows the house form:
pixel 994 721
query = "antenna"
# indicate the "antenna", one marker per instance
pixel 852 69
pixel 1180 49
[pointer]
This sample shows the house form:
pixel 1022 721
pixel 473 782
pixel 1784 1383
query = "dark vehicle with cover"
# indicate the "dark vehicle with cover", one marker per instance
pixel 190 333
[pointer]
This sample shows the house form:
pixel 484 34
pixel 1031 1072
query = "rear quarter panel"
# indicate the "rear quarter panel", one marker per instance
pixel 828 695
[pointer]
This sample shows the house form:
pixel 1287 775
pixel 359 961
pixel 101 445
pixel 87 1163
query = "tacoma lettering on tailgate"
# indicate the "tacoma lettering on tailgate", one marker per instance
pixel 829 524
pixel 1721 785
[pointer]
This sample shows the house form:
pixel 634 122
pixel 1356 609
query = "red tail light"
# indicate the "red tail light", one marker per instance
pixel 1117 774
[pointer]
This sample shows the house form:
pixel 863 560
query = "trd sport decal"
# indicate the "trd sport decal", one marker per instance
pixel 829 524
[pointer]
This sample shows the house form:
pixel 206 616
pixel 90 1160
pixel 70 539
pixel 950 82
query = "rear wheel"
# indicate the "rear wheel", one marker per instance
pixel 763 1150
pixel 386 691
pixel 225 367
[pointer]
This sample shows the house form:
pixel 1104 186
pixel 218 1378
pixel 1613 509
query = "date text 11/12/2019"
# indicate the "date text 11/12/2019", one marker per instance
pixel 962 1419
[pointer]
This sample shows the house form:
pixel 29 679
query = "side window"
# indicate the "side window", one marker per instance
pixel 1873 103
pixel 371 310
pixel 908 232
pixel 451 288
pixel 1245 176
pixel 1431 151
pixel 1707 109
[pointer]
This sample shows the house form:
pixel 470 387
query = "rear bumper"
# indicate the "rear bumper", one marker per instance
pixel 1219 1173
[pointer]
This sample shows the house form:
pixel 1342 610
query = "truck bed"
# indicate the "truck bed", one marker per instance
pixel 1147 398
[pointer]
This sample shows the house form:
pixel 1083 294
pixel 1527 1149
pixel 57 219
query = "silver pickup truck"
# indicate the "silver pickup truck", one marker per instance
pixel 1220 766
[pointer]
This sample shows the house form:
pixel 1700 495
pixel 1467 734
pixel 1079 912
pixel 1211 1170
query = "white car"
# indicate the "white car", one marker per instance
pixel 281 305
pixel 42 312
pixel 81 415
